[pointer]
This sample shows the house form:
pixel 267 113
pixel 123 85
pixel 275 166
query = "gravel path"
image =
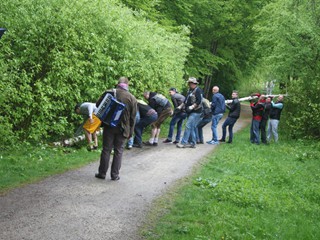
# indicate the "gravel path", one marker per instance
pixel 75 205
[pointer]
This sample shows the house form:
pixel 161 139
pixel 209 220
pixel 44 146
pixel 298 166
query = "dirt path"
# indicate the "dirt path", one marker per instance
pixel 75 205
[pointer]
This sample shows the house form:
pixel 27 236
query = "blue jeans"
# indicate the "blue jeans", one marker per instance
pixel 215 120
pixel 130 141
pixel 228 122
pixel 178 119
pixel 201 124
pixel 273 129
pixel 141 125
pixel 190 130
pixel 255 132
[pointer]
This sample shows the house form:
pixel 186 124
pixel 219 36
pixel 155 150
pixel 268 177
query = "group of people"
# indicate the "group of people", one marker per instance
pixel 265 112
pixel 139 114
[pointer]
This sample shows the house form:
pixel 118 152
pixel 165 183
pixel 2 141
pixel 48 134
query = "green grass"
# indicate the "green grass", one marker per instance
pixel 245 191
pixel 26 163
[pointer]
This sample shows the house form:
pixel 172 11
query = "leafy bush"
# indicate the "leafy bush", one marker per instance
pixel 55 56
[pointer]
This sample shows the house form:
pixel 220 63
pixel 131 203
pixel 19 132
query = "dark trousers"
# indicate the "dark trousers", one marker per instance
pixel 203 122
pixel 229 122
pixel 112 139
pixel 178 119
pixel 141 125
pixel 263 125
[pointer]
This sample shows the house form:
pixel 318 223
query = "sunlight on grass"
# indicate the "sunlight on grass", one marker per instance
pixel 247 191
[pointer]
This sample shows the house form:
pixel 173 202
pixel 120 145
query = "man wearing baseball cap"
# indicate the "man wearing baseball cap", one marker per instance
pixel 193 108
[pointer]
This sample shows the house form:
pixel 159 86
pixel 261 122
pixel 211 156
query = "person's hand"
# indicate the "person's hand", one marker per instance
pixel 91 120
pixel 190 108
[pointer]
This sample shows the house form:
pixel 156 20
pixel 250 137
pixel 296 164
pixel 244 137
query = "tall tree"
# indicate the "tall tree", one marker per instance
pixel 289 43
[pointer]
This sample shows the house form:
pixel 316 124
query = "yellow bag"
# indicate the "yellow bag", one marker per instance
pixel 92 127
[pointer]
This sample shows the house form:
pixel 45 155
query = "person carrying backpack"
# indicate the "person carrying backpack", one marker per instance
pixel 163 107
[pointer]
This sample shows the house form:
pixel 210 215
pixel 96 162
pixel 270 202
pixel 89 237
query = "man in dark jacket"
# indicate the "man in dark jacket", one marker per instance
pixel 218 107
pixel 193 107
pixel 264 120
pixel 163 107
pixel 178 116
pixel 147 116
pixel 234 113
pixel 115 137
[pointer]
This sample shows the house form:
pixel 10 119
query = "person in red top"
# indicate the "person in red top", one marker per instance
pixel 257 112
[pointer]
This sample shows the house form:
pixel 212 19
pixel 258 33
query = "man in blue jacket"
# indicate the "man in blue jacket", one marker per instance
pixel 218 107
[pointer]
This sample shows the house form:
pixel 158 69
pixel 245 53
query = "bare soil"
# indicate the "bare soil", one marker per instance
pixel 76 205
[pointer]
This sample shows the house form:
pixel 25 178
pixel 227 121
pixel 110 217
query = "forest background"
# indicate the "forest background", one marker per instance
pixel 56 53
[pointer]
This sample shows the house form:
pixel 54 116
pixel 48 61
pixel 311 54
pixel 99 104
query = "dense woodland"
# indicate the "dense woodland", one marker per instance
pixel 56 53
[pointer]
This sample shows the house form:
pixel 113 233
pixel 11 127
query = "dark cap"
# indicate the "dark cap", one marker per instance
pixel 173 89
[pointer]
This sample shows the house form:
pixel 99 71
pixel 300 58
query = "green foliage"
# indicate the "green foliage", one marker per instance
pixel 289 46
pixel 55 56
pixel 246 191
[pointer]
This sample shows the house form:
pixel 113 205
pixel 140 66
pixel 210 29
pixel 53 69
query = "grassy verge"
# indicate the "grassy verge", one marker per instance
pixel 26 163
pixel 245 191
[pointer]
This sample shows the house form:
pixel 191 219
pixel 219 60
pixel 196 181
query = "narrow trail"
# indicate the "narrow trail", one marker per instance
pixel 75 205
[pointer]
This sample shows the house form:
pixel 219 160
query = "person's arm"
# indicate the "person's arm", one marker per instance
pixel 90 110
pixel 277 105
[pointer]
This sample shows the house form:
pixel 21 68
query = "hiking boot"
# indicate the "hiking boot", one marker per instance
pixel 115 178
pixel 148 143
pixel 137 145
pixel 99 175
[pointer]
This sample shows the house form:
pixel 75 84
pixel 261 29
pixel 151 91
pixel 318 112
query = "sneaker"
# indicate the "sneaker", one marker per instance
pixel 192 146
pixel 167 141
pixel 129 147
pixel 175 142
pixel 180 145
pixel 155 144
pixel 222 140
pixel 212 142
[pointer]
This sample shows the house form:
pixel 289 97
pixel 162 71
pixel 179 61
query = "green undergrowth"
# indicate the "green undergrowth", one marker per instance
pixel 245 191
pixel 27 163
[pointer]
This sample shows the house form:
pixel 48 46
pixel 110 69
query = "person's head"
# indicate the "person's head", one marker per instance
pixel 280 98
pixel 123 83
pixel 262 98
pixel 268 100
pixel 215 89
pixel 124 80
pixel 146 95
pixel 77 108
pixel 172 91
pixel 234 94
pixel 192 82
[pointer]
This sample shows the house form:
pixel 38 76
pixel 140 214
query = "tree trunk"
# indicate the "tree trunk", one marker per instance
pixel 208 78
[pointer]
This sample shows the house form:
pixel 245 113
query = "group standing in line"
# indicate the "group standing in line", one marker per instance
pixel 194 108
